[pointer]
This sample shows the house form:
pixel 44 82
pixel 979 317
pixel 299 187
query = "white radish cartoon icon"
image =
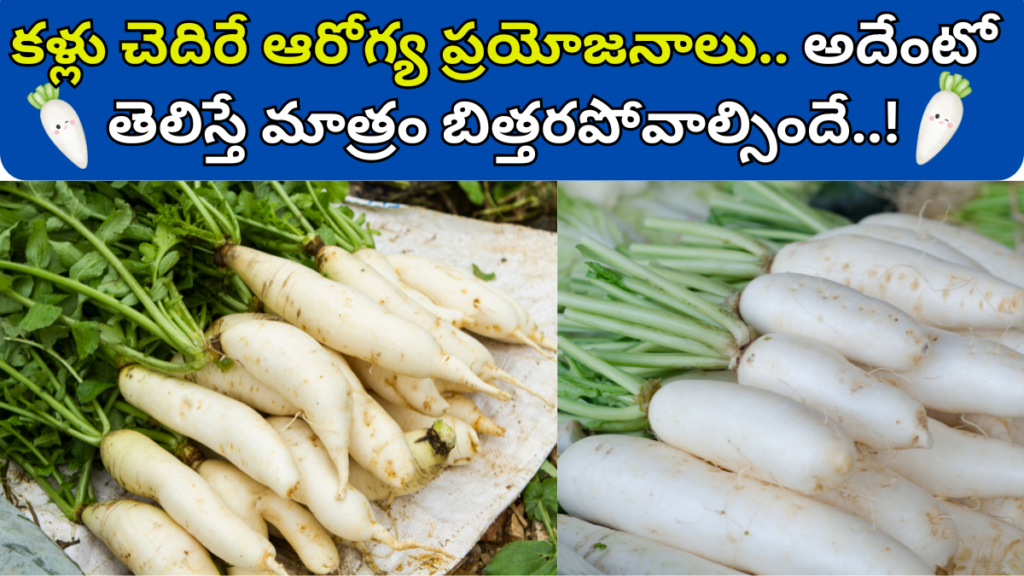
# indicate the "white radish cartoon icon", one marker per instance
pixel 61 124
pixel 942 116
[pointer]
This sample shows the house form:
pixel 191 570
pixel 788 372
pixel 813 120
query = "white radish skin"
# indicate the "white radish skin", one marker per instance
pixel 1009 510
pixel 569 562
pixel 380 263
pixel 859 327
pixel 146 539
pixel 933 291
pixel 297 367
pixel 431 456
pixel 341 266
pixel 987 546
pixel 961 464
pixel 467 443
pixel 238 384
pixel 464 409
pixel 257 505
pixel 569 432
pixel 350 519
pixel 873 412
pixel 652 490
pixel 904 237
pixel 343 319
pixel 998 259
pixel 900 509
pixel 141 467
pixel 1012 338
pixel 418 394
pixel 625 554
pixel 528 326
pixel 745 429
pixel 991 426
pixel 965 375
pixel 487 313
pixel 230 428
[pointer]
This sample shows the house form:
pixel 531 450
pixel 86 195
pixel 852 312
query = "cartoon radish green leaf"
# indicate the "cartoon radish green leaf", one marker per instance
pixel 942 116
pixel 61 124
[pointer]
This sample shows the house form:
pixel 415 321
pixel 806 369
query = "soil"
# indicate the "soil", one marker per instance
pixel 534 204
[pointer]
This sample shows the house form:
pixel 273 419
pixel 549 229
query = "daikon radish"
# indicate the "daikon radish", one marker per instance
pixel 905 237
pixel 345 320
pixel 933 291
pixel 748 431
pixel 569 562
pixel 987 546
pixel 297 367
pixel 961 464
pixel 464 409
pixel 1012 338
pixel 1009 510
pixel 352 518
pixel 467 443
pixel 146 539
pixel 380 263
pixel 614 552
pixel 257 505
pixel 998 259
pixel 899 508
pixel 238 384
pixel 873 412
pixel 418 394
pixel 962 374
pixel 652 490
pixel 141 467
pixel 230 428
pixel 431 448
pixel 859 327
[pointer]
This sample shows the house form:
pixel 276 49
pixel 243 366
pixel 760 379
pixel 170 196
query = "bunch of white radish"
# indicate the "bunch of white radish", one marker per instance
pixel 874 423
pixel 353 390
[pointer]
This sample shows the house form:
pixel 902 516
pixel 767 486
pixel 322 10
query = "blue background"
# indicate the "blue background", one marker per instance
pixel 988 144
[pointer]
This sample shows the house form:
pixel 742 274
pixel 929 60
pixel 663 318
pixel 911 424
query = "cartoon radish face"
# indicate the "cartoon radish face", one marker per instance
pixel 942 116
pixel 61 124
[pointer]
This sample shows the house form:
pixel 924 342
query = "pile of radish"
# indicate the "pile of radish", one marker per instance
pixel 851 403
pixel 271 388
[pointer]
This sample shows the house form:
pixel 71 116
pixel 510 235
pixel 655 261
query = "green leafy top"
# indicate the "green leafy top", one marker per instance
pixel 955 83
pixel 42 95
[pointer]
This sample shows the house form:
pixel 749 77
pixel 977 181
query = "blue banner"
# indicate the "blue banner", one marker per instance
pixel 533 90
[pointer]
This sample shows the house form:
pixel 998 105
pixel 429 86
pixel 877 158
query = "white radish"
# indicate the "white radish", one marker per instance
pixel 341 266
pixel 380 263
pixel 61 123
pixel 962 374
pixel 1009 510
pixel 899 508
pixel 905 237
pixel 257 505
pixel 352 518
pixel 419 394
pixel 652 490
pixel 1012 338
pixel 614 552
pixel 961 464
pixel 873 412
pixel 569 562
pixel 941 116
pixel 570 431
pixel 298 368
pixel 141 467
pixel 238 384
pixel 345 320
pixel 467 443
pixel 933 291
pixel 987 546
pixel 431 449
pixel 998 259
pixel 228 427
pixel 464 409
pixel 487 312
pixel 746 430
pixel 146 539
pixel 859 327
